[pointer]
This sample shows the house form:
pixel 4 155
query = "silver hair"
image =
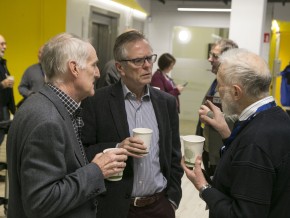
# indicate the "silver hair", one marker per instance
pixel 120 51
pixel 240 66
pixel 58 51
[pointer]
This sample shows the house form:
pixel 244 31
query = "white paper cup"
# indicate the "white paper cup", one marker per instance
pixel 117 176
pixel 193 147
pixel 145 135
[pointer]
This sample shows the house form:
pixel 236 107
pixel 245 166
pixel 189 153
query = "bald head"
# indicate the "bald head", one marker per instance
pixel 2 46
pixel 248 70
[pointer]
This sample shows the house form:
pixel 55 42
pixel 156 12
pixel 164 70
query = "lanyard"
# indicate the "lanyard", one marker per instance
pixel 241 124
pixel 212 89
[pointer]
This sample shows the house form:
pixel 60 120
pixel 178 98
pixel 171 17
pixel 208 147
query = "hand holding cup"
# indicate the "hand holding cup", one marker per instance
pixel 111 161
pixel 135 147
pixel 8 82
pixel 193 147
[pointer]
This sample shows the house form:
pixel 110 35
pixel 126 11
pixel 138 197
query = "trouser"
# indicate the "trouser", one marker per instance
pixel 162 208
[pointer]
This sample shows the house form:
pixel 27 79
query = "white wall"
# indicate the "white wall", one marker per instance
pixel 78 11
pixel 158 29
pixel 165 16
pixel 248 32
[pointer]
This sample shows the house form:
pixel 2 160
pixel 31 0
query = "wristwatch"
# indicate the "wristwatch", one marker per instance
pixel 204 187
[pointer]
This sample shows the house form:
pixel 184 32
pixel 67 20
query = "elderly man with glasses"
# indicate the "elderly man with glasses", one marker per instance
pixel 151 184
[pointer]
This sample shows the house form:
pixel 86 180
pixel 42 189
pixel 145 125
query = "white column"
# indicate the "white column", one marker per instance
pixel 247 24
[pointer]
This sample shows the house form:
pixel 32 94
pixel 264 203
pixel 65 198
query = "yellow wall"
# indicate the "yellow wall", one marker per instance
pixel 284 54
pixel 131 4
pixel 26 25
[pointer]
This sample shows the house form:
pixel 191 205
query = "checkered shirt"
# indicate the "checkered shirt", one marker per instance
pixel 74 111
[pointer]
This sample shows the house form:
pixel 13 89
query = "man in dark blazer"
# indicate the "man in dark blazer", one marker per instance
pixel 7 104
pixel 151 185
pixel 49 175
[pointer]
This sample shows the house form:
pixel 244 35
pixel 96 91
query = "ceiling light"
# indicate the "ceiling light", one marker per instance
pixel 205 9
pixel 184 36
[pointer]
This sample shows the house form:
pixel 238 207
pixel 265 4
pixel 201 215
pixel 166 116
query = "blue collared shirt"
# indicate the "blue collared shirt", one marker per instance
pixel 148 178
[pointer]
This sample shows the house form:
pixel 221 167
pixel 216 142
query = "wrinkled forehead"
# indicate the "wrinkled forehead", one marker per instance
pixel 216 49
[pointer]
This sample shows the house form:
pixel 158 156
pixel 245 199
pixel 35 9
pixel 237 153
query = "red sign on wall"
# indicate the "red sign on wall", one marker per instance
pixel 266 37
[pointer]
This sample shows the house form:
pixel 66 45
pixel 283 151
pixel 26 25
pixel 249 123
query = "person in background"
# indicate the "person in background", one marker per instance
pixel 253 176
pixel 33 78
pixel 109 75
pixel 162 80
pixel 7 104
pixel 49 175
pixel 151 185
pixel 213 140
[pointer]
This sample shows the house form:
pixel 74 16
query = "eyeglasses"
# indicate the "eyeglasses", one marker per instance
pixel 140 61
pixel 213 55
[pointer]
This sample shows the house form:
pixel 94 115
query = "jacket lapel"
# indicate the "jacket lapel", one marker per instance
pixel 117 107
pixel 64 114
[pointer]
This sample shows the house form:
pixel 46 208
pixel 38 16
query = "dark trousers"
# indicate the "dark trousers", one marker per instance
pixel 159 209
pixel 4 115
pixel 209 169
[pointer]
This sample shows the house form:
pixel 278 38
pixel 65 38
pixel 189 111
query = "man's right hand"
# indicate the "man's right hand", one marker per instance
pixel 111 162
pixel 217 121
pixel 135 147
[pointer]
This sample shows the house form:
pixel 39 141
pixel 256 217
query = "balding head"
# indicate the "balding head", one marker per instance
pixel 2 46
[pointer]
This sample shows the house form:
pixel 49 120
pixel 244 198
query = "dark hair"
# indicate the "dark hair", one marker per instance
pixel 120 52
pixel 165 61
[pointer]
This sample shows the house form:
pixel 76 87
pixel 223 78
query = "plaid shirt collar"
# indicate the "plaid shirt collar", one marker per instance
pixel 72 107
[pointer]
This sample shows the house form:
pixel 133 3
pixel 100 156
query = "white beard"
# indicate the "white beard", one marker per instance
pixel 228 104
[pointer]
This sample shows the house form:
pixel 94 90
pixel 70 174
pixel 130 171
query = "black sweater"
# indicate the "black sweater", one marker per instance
pixel 253 176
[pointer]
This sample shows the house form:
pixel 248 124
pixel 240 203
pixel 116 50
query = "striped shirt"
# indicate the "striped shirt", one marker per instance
pixel 148 178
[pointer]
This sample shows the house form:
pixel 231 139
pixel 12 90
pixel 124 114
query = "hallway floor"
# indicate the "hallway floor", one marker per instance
pixel 191 206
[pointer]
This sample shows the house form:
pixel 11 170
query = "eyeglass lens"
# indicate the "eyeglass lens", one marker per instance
pixel 140 61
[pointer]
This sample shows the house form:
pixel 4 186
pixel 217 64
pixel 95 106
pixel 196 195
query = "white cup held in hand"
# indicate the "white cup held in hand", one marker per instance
pixel 117 176
pixel 145 135
pixel 193 147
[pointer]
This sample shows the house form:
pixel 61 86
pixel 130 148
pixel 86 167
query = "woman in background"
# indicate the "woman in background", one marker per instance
pixel 162 80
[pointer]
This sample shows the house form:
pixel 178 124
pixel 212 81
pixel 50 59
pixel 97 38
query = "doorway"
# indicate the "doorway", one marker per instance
pixel 102 33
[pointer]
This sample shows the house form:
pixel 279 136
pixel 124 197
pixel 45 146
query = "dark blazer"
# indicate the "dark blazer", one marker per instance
pixel 106 125
pixel 47 174
pixel 6 94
